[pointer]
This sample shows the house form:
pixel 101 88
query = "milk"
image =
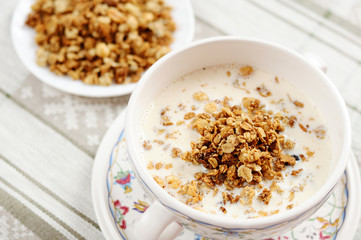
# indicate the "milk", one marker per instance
pixel 217 83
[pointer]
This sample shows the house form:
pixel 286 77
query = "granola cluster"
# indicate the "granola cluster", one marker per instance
pixel 241 146
pixel 101 41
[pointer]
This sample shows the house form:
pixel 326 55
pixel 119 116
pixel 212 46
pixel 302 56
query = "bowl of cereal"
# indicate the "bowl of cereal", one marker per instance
pixel 98 48
pixel 235 137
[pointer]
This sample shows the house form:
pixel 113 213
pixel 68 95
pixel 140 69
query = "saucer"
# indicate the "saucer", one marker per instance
pixel 119 201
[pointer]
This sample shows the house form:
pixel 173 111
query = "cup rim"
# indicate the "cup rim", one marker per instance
pixel 222 221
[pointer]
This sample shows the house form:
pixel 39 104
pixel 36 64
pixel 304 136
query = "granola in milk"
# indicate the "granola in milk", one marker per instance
pixel 101 41
pixel 235 156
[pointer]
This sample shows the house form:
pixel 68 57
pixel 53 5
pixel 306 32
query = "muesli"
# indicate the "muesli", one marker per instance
pixel 101 41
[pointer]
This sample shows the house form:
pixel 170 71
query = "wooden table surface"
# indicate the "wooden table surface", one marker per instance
pixel 48 138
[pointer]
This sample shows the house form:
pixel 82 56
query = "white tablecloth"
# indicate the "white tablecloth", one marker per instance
pixel 48 139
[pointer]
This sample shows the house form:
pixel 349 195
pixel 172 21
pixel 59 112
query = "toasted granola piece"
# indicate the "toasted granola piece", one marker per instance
pixel 265 196
pixel 200 96
pixel 289 144
pixel 247 195
pixel 102 50
pixel 296 172
pixel 230 198
pixel 291 196
pixel 116 16
pixel 200 124
pixel 292 120
pixel 298 104
pixel 189 115
pixel 251 103
pixel 192 191
pixel 274 212
pixel 176 152
pixel 166 121
pixel 159 181
pixel 160 142
pixel 158 165
pixel 223 209
pixel 320 132
pixel 213 162
pixel 173 181
pixel 245 71
pixel 147 145
pixel 210 107
pixel 276 188
pixel 263 91
pixel 263 213
pixel 309 152
pixel 245 173
pixel 302 127
pixel 179 123
pixel 284 160
pixel 168 166
pixel 150 165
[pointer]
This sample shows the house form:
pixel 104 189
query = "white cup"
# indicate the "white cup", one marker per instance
pixel 168 215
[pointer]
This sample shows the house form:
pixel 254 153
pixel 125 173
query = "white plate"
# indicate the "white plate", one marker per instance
pixel 25 46
pixel 119 200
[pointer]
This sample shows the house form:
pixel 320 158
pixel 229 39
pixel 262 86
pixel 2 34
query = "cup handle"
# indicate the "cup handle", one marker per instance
pixel 316 61
pixel 157 223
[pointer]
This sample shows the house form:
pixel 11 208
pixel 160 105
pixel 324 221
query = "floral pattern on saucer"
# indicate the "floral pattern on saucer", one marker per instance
pixel 127 201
